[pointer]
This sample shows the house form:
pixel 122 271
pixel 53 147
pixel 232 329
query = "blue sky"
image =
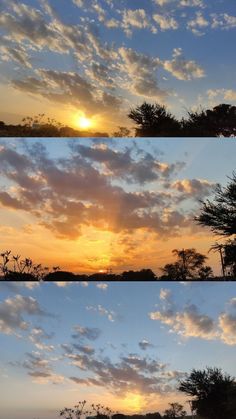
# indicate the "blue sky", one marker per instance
pixel 95 58
pixel 89 204
pixel 53 335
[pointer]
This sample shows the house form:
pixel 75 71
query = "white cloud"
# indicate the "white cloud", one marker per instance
pixel 102 286
pixel 182 69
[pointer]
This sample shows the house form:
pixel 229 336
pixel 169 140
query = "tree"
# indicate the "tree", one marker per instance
pixel 143 275
pixel 205 272
pixel 219 121
pixel 176 411
pixel 122 132
pixel 189 265
pixel 220 214
pixel 154 121
pixel 214 393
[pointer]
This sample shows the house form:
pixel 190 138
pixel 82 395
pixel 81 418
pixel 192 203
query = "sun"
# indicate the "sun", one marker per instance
pixel 133 402
pixel 84 122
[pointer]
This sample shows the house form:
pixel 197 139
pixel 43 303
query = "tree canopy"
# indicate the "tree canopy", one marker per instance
pixel 220 214
pixel 213 392
pixel 154 120
pixel 189 264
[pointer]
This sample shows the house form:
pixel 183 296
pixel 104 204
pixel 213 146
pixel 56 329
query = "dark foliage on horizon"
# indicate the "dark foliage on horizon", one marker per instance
pixel 213 393
pixel 40 126
pixel 189 266
pixel 153 120
pixel 98 411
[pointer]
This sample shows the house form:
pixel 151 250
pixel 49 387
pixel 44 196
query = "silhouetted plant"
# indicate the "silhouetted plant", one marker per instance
pixel 189 265
pixel 12 267
pixel 220 214
pixel 82 409
pixel 176 410
pixel 154 121
pixel 214 393
pixel 216 122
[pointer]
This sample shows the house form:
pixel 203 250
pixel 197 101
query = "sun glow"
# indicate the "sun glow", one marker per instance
pixel 133 402
pixel 84 122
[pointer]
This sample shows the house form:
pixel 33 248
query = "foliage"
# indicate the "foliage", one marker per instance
pixel 81 409
pixel 154 121
pixel 13 267
pixel 189 264
pixel 220 215
pixel 122 132
pixel 213 393
pixel 176 410
pixel 216 122
pixel 42 126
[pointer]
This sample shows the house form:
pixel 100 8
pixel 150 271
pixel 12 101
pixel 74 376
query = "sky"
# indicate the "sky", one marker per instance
pixel 89 205
pixel 96 59
pixel 66 342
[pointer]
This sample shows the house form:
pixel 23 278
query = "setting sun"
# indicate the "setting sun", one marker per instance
pixel 84 122
pixel 133 402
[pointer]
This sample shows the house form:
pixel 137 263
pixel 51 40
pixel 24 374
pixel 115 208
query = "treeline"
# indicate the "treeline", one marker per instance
pixel 189 265
pixel 40 126
pixel 154 120
pixel 212 392
pixel 151 120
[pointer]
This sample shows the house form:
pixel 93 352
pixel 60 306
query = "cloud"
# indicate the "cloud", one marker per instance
pixel 198 23
pixel 181 68
pixel 223 21
pixel 90 333
pixel 165 294
pixel 12 311
pixel 134 19
pixel 189 323
pixel 141 71
pixel 145 344
pixel 110 314
pixel 37 335
pixel 198 188
pixel 102 286
pixel 130 374
pixel 40 370
pixel 165 22
pixel 83 189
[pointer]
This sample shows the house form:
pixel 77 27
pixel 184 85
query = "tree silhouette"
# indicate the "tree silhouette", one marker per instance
pixel 175 411
pixel 219 121
pixel 190 264
pixel 220 214
pixel 214 393
pixel 154 121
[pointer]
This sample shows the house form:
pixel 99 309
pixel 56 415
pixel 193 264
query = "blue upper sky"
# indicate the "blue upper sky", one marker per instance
pixel 99 57
pixel 63 342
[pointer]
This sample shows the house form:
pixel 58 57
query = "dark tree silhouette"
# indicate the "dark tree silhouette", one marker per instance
pixel 176 410
pixel 190 264
pixel 143 275
pixel 154 121
pixel 219 121
pixel 213 393
pixel 220 214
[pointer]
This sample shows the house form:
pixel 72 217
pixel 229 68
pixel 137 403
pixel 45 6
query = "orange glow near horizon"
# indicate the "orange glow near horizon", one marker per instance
pixel 133 403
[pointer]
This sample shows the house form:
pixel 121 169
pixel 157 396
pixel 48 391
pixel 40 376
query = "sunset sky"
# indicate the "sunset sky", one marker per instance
pixel 88 204
pixel 97 58
pixel 61 343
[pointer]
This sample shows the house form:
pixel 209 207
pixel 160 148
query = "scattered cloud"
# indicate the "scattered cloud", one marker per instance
pixel 12 311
